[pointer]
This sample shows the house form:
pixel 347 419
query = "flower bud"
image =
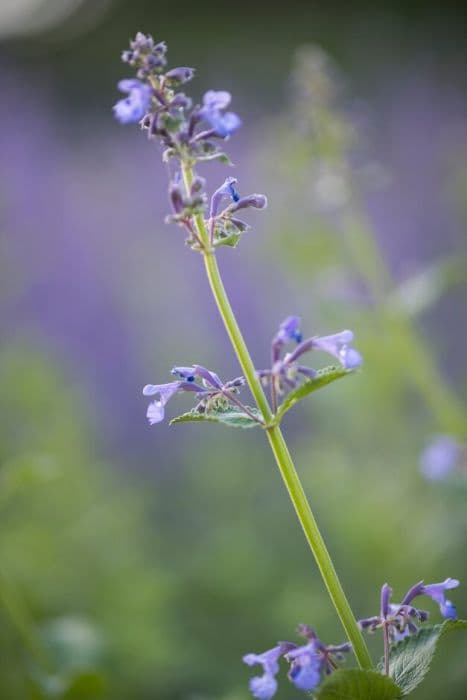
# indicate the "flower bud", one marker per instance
pixel 258 201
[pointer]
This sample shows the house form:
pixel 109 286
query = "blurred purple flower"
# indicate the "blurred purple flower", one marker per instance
pixel 437 592
pixel 338 345
pixel 305 669
pixel 440 458
pixel 288 330
pixel 307 663
pixel 265 686
pixel 227 189
pixel 156 409
pixel 134 107
pixel 223 124
pixel 211 392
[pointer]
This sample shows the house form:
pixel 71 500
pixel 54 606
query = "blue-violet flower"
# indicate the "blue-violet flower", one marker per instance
pixel 214 102
pixel 134 107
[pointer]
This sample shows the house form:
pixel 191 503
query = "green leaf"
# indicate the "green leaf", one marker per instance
pixel 324 376
pixel 410 660
pixel 230 416
pixel 356 684
pixel 89 685
pixel 231 240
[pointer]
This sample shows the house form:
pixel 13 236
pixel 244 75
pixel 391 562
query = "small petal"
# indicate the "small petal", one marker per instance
pixel 164 392
pixel 436 591
pixel 217 99
pixel 305 671
pixel 187 373
pixel 264 687
pixel 289 330
pixel 350 358
pixel 155 412
pixel 386 592
pixel 227 189
pixel 129 84
pixel 222 124
pixel 134 107
pixel 337 345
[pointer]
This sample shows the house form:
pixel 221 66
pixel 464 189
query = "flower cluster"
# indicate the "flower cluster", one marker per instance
pixel 308 663
pixel 189 134
pixel 285 372
pixel 211 393
pixel 399 619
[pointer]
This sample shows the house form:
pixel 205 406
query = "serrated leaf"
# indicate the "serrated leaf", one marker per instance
pixel 356 684
pixel 323 377
pixel 230 416
pixel 410 660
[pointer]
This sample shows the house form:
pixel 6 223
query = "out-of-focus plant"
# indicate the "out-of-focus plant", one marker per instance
pixel 324 161
pixel 82 593
pixel 191 135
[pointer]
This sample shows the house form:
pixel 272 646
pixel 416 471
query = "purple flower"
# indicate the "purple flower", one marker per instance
pixel 227 189
pixel 265 686
pixel 285 373
pixel 210 391
pixel 156 409
pixel 134 107
pixel 440 458
pixel 305 669
pixel 223 124
pixel 338 345
pixel 312 659
pixel 307 663
pixel 288 330
pixel 437 592
pixel 399 619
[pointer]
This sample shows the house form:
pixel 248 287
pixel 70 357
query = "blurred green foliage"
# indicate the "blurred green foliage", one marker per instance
pixel 116 584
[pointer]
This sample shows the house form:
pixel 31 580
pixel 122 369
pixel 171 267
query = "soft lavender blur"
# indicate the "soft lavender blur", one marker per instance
pixel 92 279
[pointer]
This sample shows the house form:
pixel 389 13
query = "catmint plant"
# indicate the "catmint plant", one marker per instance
pixel 190 133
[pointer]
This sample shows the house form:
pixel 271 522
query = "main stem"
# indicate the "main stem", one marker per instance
pixel 280 450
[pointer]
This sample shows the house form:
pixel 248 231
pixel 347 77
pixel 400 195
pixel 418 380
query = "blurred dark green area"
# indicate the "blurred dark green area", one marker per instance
pixel 144 563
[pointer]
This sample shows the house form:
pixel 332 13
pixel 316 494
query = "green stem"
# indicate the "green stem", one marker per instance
pixel 288 471
pixel 279 448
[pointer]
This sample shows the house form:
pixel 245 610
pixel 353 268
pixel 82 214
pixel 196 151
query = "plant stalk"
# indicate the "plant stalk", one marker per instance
pixel 279 447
